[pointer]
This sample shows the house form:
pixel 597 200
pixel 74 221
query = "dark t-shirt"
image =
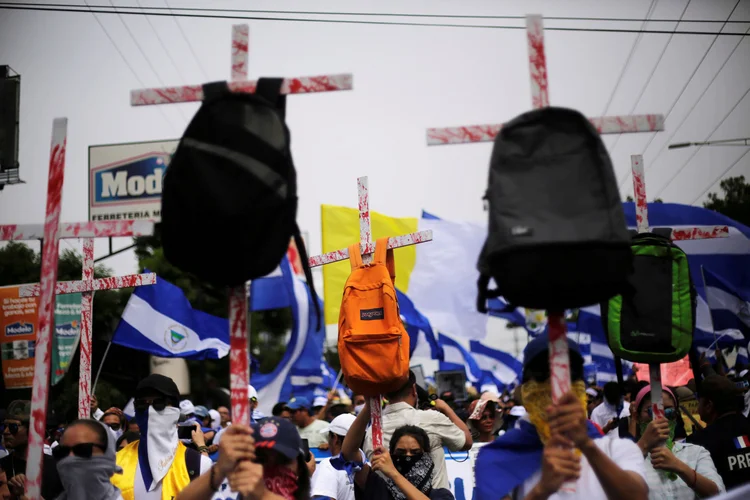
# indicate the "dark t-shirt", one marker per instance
pixel 51 485
pixel 377 489
pixel 728 442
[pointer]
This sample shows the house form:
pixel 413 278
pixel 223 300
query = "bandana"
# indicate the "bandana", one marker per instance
pixel 281 480
pixel 418 473
pixel 537 396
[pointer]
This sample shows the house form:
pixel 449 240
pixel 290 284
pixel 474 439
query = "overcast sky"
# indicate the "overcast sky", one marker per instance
pixel 406 79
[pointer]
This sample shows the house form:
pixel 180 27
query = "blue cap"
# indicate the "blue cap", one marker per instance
pixel 278 434
pixel 299 403
pixel 540 345
pixel 201 411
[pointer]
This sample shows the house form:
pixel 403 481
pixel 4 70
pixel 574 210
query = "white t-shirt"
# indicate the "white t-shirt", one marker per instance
pixel 602 414
pixel 312 433
pixel 331 482
pixel 624 452
pixel 139 489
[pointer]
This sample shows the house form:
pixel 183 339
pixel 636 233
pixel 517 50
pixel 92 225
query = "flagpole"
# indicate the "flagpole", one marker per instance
pixel 101 364
pixel 705 288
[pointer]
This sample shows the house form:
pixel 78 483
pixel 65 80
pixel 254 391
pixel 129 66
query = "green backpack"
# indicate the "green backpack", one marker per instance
pixel 653 322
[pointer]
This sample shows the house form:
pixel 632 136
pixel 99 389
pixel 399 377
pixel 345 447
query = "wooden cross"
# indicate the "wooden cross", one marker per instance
pixel 368 248
pixel 48 287
pixel 681 234
pixel 558 344
pixel 239 366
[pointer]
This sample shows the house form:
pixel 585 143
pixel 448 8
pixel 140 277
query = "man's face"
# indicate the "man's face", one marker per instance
pixel 133 426
pixel 299 417
pixel 253 403
pixel 113 421
pixel 153 399
pixel 224 414
pixel 15 434
pixel 286 413
pixel 359 400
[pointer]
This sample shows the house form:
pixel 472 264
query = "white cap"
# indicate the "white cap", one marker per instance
pixel 592 392
pixel 320 401
pixel 251 392
pixel 518 411
pixel 743 372
pixel 187 407
pixel 340 425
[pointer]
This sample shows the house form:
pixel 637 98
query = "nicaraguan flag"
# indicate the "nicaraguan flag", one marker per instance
pixel 457 357
pixel 589 328
pixel 159 319
pixel 730 306
pixel 500 367
pixel 422 341
pixel 299 371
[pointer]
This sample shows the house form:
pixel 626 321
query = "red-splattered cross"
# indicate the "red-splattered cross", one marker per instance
pixel 367 248
pixel 239 366
pixel 681 234
pixel 48 287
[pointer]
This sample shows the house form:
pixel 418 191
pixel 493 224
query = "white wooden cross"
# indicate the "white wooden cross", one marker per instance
pixel 48 287
pixel 239 367
pixel 681 234
pixel 368 248
pixel 558 350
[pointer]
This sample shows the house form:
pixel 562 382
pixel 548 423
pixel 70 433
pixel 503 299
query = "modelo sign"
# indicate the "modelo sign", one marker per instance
pixel 125 180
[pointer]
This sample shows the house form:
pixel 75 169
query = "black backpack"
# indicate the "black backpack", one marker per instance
pixel 233 175
pixel 653 320
pixel 557 236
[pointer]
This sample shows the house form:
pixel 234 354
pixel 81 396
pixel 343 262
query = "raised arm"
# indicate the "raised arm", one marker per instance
pixel 446 410
pixel 352 441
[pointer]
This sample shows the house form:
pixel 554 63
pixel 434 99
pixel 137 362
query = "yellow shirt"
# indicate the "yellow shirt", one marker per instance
pixel 175 481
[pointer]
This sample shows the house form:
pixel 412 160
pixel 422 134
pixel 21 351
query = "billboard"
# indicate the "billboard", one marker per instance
pixel 125 180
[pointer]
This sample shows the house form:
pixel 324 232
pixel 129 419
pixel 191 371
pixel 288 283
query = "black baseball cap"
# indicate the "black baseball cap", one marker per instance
pixel 275 433
pixel 159 384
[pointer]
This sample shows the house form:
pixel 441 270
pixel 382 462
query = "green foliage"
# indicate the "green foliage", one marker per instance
pixel 735 202
pixel 656 200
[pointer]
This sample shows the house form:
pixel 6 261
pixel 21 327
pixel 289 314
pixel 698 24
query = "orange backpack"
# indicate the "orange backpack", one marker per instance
pixel 373 344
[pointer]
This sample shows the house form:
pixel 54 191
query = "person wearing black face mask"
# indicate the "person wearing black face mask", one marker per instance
pixel 406 468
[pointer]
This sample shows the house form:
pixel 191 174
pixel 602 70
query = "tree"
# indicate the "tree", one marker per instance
pixel 735 202
pixel 656 200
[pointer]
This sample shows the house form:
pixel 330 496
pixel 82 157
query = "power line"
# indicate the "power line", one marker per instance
pixel 684 88
pixel 627 60
pixel 377 23
pixel 697 149
pixel 387 14
pixel 145 57
pixel 720 176
pixel 187 40
pixel 653 72
pixel 132 70
pixel 700 98
pixel 163 46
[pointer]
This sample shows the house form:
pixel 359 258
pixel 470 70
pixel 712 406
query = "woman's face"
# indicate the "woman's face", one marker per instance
pixel 487 420
pixel 407 446
pixel 644 415
pixel 123 444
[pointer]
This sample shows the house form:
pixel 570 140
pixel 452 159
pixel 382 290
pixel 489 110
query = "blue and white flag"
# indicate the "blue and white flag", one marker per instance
pixel 498 366
pixel 457 357
pixel 730 306
pixel 159 319
pixel 422 340
pixel 589 329
pixel 299 371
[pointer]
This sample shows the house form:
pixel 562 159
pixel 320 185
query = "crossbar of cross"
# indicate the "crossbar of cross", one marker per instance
pixel 239 366
pixel 540 99
pixel 50 234
pixel 368 248
pixel 681 234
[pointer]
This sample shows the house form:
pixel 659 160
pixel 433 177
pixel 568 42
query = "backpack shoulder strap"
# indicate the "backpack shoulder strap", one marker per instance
pixel 270 90
pixel 192 463
pixel 355 258
pixel 385 256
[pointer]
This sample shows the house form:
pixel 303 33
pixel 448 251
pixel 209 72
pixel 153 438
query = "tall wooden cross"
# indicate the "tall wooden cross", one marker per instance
pixel 368 248
pixel 559 359
pixel 680 234
pixel 239 366
pixel 48 287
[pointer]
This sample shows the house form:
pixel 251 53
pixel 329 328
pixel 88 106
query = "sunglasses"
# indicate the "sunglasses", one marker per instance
pixel 83 450
pixel 486 416
pixel 157 404
pixel 669 413
pixel 12 428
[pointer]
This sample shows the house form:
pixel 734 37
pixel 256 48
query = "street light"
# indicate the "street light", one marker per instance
pixel 724 142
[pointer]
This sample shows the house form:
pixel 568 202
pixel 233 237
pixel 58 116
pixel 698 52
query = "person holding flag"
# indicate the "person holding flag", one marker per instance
pixel 555 448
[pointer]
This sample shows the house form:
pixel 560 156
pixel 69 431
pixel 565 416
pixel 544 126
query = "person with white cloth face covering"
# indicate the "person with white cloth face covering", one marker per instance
pixel 86 461
pixel 158 466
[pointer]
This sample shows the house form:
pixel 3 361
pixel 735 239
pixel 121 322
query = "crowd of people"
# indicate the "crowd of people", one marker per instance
pixel 597 442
